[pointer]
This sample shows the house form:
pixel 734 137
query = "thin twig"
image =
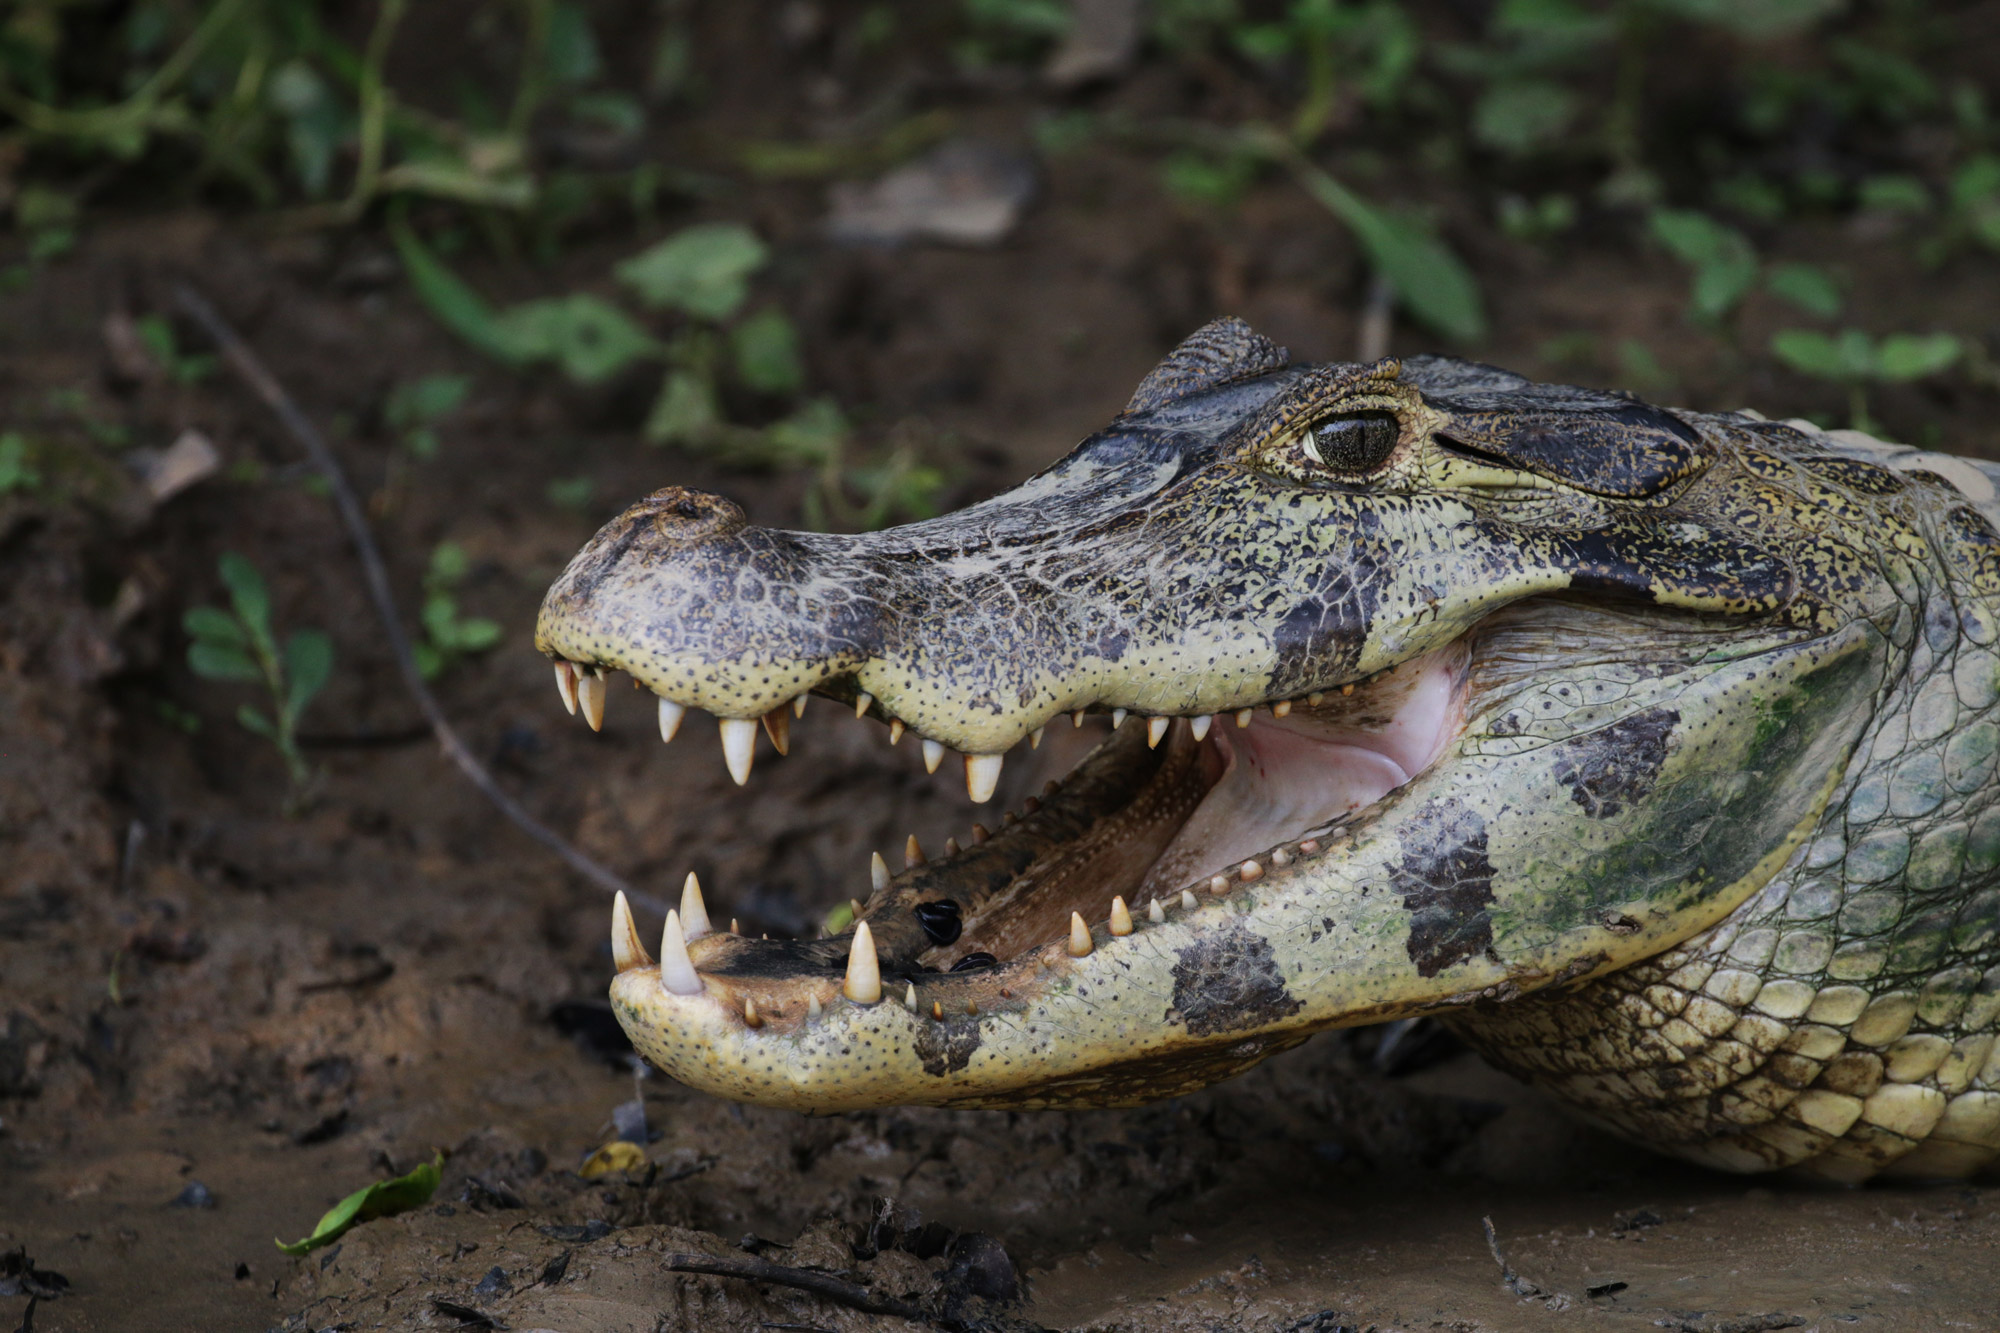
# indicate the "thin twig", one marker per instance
pixel 819 1284
pixel 261 382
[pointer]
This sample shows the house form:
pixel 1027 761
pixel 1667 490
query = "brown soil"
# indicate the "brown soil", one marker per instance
pixel 197 987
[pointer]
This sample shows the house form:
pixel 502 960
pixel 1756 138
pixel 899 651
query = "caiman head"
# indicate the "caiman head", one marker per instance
pixel 1436 687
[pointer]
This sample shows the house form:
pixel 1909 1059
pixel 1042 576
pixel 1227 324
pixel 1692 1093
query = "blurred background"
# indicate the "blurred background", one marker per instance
pixel 850 262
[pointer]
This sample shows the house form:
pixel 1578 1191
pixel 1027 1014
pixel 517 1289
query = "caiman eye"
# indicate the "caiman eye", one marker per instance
pixel 1355 443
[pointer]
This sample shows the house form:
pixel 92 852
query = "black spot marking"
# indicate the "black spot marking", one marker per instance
pixel 1229 980
pixel 947 1047
pixel 1615 766
pixel 1447 885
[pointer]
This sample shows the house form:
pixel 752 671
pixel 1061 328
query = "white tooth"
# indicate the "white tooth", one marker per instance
pixel 1199 726
pixel 913 852
pixel 1243 716
pixel 566 685
pixel 982 775
pixel 1035 738
pixel 878 871
pixel 1188 901
pixel 910 997
pixel 1156 727
pixel 1153 912
pixel 1080 943
pixel 1121 918
pixel 750 1017
pixel 862 703
pixel 677 972
pixel 694 912
pixel 864 972
pixel 1282 708
pixel 1218 884
pixel 1118 716
pixel 895 730
pixel 933 756
pixel 812 1006
pixel 739 746
pixel 590 697
pixel 1076 718
pixel 778 726
pixel 626 951
pixel 671 714
pixel 799 705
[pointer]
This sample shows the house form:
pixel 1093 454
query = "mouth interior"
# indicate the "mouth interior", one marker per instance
pixel 1209 805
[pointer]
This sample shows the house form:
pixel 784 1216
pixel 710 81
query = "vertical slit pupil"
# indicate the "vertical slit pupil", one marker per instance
pixel 1359 442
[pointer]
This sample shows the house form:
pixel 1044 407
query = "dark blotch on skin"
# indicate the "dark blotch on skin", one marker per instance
pixel 947 1047
pixel 1447 885
pixel 1228 981
pixel 1615 765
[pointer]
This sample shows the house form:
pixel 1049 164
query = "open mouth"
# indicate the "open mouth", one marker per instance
pixel 1165 811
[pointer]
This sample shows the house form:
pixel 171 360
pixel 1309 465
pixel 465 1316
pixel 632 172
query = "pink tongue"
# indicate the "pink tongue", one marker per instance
pixel 1283 776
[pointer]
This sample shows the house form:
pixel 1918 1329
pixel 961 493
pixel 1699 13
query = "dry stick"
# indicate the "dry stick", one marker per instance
pixel 262 383
pixel 819 1284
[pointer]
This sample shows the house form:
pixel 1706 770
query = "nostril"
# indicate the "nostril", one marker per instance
pixel 685 516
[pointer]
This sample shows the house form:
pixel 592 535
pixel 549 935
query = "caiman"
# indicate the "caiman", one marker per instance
pixel 1653 751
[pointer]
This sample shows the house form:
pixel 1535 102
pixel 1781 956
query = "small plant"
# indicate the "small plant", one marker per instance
pixel 415 407
pixel 1726 269
pixel 239 644
pixel 1854 359
pixel 16 472
pixel 449 637
pixel 158 335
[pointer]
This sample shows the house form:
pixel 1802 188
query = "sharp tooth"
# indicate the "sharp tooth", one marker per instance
pixel 1314 699
pixel 1250 871
pixel 590 697
pixel 878 871
pixel 626 951
pixel 1121 918
pixel 1076 718
pixel 1281 708
pixel 982 775
pixel 750 1013
pixel 1346 690
pixel 862 703
pixel 1035 738
pixel 1188 901
pixel 694 912
pixel 677 972
pixel 1281 858
pixel 854 908
pixel 951 846
pixel 1154 913
pixel 778 726
pixel 671 714
pixel 979 833
pixel 1156 727
pixel 864 972
pixel 895 730
pixel 1079 936
pixel 739 746
pixel 913 854
pixel 1199 726
pixel 1118 716
pixel 1218 884
pixel 735 926
pixel 1030 806
pixel 566 685
pixel 812 1007
pixel 933 756
pixel 799 705
pixel 1050 788
pixel 910 997
pixel 1243 716
pixel 937 1010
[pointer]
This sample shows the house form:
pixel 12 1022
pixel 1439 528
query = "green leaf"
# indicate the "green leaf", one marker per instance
pixel 385 1198
pixel 430 662
pixel 1436 288
pixel 451 301
pixel 704 270
pixel 570 53
pixel 1895 194
pixel 1811 352
pixel 1752 18
pixel 1912 356
pixel 247 594
pixel 420 402
pixel 16 472
pixel 1520 117
pixel 449 564
pixel 475 634
pixel 214 625
pixel 308 667
pixel 685 412
pixel 767 353
pixel 219 661
pixel 251 720
pixel 1807 286
pixel 1723 260
pixel 587 336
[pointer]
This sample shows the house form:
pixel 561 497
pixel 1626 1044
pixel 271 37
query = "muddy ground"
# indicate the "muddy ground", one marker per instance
pixel 198 987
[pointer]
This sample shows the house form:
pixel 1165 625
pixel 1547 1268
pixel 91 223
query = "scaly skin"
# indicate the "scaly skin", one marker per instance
pixel 1705 841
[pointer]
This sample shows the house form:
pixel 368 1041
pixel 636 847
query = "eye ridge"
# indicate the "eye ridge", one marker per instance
pixel 1353 443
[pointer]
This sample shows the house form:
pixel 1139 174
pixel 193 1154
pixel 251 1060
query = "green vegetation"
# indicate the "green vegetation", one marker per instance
pixel 240 645
pixel 1855 361
pixel 448 636
pixel 384 1198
